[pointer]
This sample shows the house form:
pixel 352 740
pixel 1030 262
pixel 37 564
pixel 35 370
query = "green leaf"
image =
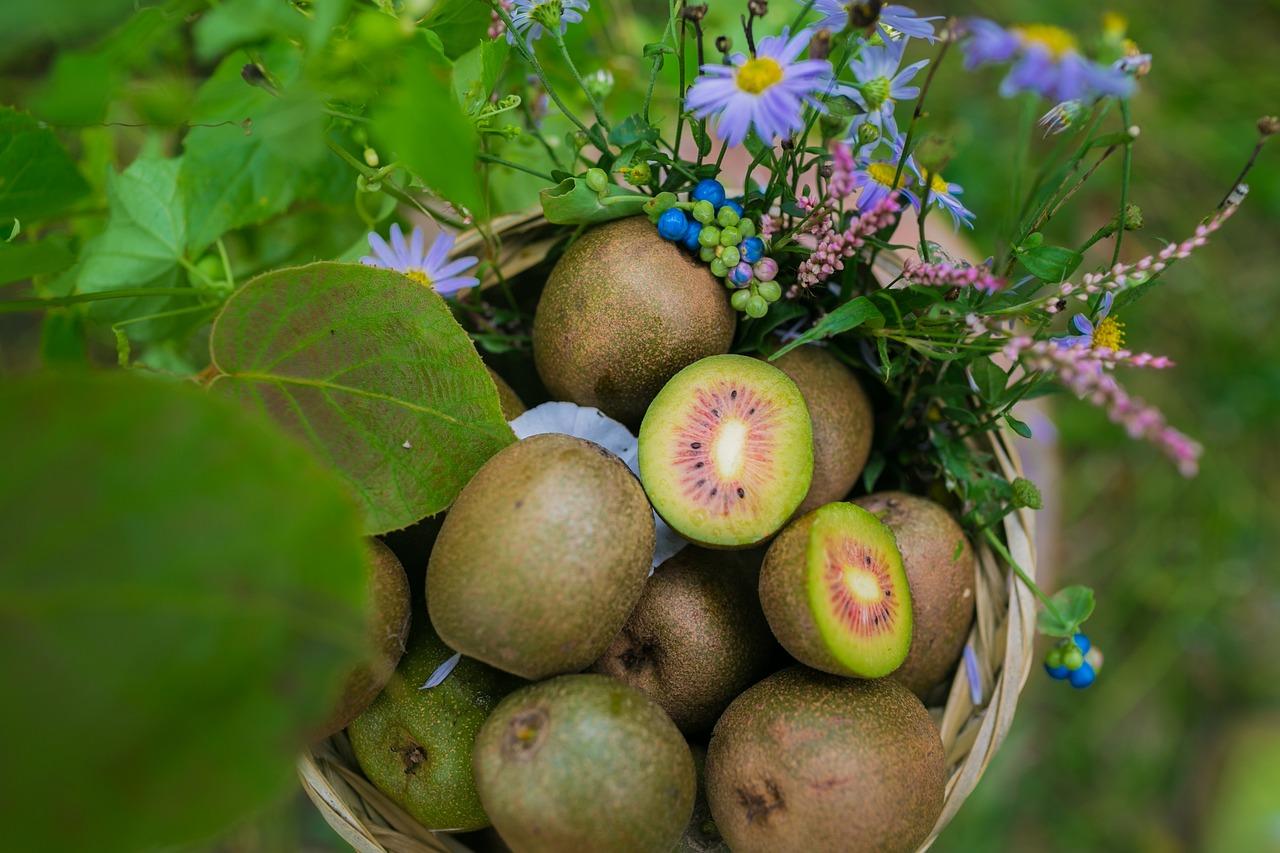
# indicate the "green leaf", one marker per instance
pixel 421 121
pixel 460 24
pixel 1018 426
pixel 262 153
pixel 989 378
pixel 37 177
pixel 1050 263
pixel 372 371
pixel 572 202
pixel 24 260
pixel 183 593
pixel 1072 605
pixel 631 130
pixel 850 315
pixel 752 334
pixel 476 73
pixel 238 22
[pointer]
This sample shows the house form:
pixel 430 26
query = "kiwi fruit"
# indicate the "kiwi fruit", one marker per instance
pixel 701 835
pixel 584 763
pixel 542 557
pixel 696 639
pixel 512 406
pixel 622 311
pixel 388 626
pixel 415 745
pixel 842 422
pixel 808 761
pixel 726 451
pixel 940 571
pixel 835 593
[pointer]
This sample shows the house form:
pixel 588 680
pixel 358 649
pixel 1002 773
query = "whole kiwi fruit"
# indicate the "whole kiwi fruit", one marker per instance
pixel 542 557
pixel 388 628
pixel 940 570
pixel 842 422
pixel 697 638
pixel 512 406
pixel 813 762
pixel 415 744
pixel 584 763
pixel 621 313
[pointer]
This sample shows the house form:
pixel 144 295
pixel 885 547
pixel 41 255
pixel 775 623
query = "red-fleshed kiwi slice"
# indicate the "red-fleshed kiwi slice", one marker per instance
pixel 835 593
pixel 726 451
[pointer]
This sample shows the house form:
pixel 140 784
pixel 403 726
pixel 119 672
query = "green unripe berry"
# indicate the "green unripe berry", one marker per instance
pixel 770 290
pixel 730 255
pixel 730 236
pixel 597 180
pixel 719 268
pixel 756 306
pixel 1072 658
pixel 746 227
pixel 707 253
pixel 704 211
pixel 740 299
pixel 727 216
pixel 709 236
pixel 1053 659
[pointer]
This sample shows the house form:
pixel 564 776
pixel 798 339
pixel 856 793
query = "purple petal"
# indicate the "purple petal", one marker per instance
pixel 454 267
pixel 439 251
pixel 972 674
pixel 442 672
pixel 446 286
pixel 1082 324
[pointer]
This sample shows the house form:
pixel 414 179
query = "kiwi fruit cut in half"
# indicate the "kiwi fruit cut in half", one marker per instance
pixel 415 744
pixel 542 557
pixel 842 421
pixel 726 451
pixel 810 762
pixel 697 638
pixel 940 570
pixel 388 627
pixel 835 592
pixel 621 312
pixel 584 763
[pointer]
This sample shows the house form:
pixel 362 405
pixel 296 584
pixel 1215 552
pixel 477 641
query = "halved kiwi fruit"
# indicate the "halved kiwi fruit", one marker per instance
pixel 835 593
pixel 726 451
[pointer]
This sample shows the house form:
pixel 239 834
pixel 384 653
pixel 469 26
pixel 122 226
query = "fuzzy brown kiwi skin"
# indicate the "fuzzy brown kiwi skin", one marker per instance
pixel 697 638
pixel 388 629
pixel 808 761
pixel 622 312
pixel 940 572
pixel 842 422
pixel 542 557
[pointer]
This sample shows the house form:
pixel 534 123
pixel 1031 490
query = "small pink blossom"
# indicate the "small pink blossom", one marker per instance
pixel 952 275
pixel 497 26
pixel 834 246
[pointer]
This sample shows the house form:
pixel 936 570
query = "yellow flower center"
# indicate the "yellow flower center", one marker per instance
pixel 938 184
pixel 1109 334
pixel 758 74
pixel 1114 24
pixel 420 277
pixel 882 173
pixel 1056 40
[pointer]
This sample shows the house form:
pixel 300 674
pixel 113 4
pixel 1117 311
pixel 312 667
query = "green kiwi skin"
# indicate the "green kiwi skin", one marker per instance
pixel 697 638
pixel 542 557
pixel 940 568
pixel 807 761
pixel 584 763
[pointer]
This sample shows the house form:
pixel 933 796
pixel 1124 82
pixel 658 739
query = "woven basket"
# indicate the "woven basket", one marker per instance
pixel 1001 638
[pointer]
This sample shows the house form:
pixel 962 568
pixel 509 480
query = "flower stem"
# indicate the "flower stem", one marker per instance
pixel 1124 185
pixel 393 190
pixel 919 110
pixel 489 158
pixel 43 303
pixel 577 75
pixel 1022 575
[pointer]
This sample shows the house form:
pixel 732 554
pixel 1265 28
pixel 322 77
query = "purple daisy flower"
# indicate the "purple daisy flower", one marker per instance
pixel 766 92
pixel 941 192
pixel 876 182
pixel 1046 60
pixel 531 17
pixel 1088 332
pixel 893 19
pixel 880 85
pixel 432 268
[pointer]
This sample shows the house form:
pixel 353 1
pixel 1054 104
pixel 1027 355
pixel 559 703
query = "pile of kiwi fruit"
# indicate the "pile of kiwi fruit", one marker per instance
pixel 538 686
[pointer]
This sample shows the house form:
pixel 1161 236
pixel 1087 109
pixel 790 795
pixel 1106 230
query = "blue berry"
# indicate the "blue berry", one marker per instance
pixel 1082 677
pixel 691 236
pixel 708 190
pixel 752 249
pixel 1083 642
pixel 1057 672
pixel 734 206
pixel 742 274
pixel 673 224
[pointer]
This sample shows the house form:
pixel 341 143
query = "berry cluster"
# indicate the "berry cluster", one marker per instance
pixel 1074 660
pixel 724 239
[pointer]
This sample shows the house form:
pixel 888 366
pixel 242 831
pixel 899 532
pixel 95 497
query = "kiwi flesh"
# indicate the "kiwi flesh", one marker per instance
pixel 622 311
pixel 415 745
pixel 808 761
pixel 726 451
pixel 542 557
pixel 842 422
pixel 696 639
pixel 835 593
pixel 388 627
pixel 940 571
pixel 584 763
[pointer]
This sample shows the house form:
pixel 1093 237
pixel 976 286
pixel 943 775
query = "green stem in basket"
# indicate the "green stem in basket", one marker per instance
pixel 489 158
pixel 1124 185
pixel 577 75
pixel 1000 548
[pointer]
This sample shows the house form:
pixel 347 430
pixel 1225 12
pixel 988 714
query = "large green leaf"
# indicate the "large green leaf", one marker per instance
pixel 181 592
pixel 852 314
pixel 238 22
pixel 371 369
pixel 37 177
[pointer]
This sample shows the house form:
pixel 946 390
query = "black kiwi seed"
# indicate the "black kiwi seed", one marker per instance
pixel 742 493
pixel 696 445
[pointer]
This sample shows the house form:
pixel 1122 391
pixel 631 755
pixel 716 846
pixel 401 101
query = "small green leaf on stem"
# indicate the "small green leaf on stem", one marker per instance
pixel 1068 609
